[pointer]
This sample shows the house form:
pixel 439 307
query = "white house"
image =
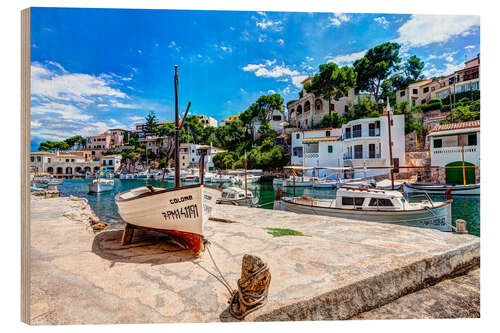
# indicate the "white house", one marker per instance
pixel 111 163
pixel 446 142
pixel 366 143
pixel 317 148
pixel 195 151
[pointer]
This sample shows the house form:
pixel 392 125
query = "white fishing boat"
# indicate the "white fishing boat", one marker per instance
pixel 432 188
pixel 302 181
pixel 101 185
pixel 237 196
pixel 373 205
pixel 181 211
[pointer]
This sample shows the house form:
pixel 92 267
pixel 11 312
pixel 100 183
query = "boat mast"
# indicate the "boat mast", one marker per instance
pixel 463 158
pixel 390 141
pixel 176 151
pixel 99 176
pixel 246 174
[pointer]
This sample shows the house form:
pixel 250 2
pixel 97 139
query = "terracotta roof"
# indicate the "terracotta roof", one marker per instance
pixel 326 138
pixel 456 126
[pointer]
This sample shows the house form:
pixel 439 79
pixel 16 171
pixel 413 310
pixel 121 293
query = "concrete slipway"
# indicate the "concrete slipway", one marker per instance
pixel 340 269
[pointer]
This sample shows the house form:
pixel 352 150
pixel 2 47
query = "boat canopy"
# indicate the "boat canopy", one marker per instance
pixel 298 167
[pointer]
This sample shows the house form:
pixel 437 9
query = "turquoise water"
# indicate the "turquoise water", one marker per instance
pixel 103 204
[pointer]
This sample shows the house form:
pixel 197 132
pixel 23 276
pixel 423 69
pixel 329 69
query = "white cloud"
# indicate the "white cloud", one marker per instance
pixel 269 69
pixel 232 28
pixel 135 118
pixel 281 42
pixel 35 124
pixel 75 87
pixel 469 47
pixel 309 58
pixel 265 24
pixel 346 59
pixel 270 91
pixel 262 38
pixel 449 68
pixel 120 105
pixel 66 111
pixel 448 56
pixel 227 49
pixel 337 19
pixel 297 80
pixel 421 30
pixel 382 20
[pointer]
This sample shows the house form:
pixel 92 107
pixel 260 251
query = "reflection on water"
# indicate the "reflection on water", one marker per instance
pixel 103 204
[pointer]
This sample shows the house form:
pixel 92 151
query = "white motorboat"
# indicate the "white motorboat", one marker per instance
pixel 101 185
pixel 221 179
pixel 373 205
pixel 241 179
pixel 386 184
pixel 326 184
pixel 278 181
pixel 432 188
pixel 237 196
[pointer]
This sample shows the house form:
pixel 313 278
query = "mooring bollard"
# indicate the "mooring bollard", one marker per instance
pixel 253 287
pixel 461 226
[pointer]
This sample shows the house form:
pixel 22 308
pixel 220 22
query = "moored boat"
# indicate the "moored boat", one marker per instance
pixel 101 185
pixel 237 196
pixel 373 205
pixel 181 212
pixel 433 188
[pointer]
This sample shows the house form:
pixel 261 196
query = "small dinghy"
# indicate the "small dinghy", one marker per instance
pixel 432 188
pixel 237 196
pixel 367 204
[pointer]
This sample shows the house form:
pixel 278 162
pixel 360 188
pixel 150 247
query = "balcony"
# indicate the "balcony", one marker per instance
pixel 454 150
pixel 312 155
pixel 360 156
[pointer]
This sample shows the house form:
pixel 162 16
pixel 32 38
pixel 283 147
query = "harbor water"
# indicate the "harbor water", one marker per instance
pixel 103 204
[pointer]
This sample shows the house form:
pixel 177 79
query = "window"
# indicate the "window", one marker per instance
pixel 346 108
pixel 277 118
pixel 347 201
pixel 297 136
pixel 472 139
pixel 438 143
pixel 67 160
pixel 332 107
pixel 377 202
pixel 371 150
pixel 415 91
pixel 38 158
pixel 359 201
pixel 110 162
pixel 330 149
pixel 327 133
pixel 402 93
pixel 358 151
pixel 426 90
pixel 356 131
pixel 413 102
pixel 32 159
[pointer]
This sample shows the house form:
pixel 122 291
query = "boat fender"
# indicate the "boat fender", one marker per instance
pixel 448 194
pixel 278 195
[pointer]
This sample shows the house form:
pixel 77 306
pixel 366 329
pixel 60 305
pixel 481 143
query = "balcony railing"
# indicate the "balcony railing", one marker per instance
pixel 312 155
pixel 374 132
pixel 356 134
pixel 454 150
pixel 347 135
pixel 359 156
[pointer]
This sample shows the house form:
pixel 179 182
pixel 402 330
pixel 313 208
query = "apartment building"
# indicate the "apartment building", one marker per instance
pixel 111 163
pixel 466 79
pixel 207 120
pixel 310 110
pixel 228 119
pixel 62 164
pixel 366 143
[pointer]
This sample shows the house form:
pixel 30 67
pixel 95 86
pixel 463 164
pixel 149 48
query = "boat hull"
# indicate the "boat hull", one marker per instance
pixel 438 217
pixel 176 211
pixel 238 202
pixel 473 189
pixel 100 187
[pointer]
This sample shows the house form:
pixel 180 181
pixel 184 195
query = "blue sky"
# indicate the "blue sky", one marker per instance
pixel 94 69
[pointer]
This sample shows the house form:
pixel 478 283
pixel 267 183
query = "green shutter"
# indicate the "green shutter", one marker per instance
pixel 330 149
pixel 298 136
pixel 438 143
pixel 327 133
pixel 472 140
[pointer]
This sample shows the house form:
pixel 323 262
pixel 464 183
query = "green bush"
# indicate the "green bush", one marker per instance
pixel 434 101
